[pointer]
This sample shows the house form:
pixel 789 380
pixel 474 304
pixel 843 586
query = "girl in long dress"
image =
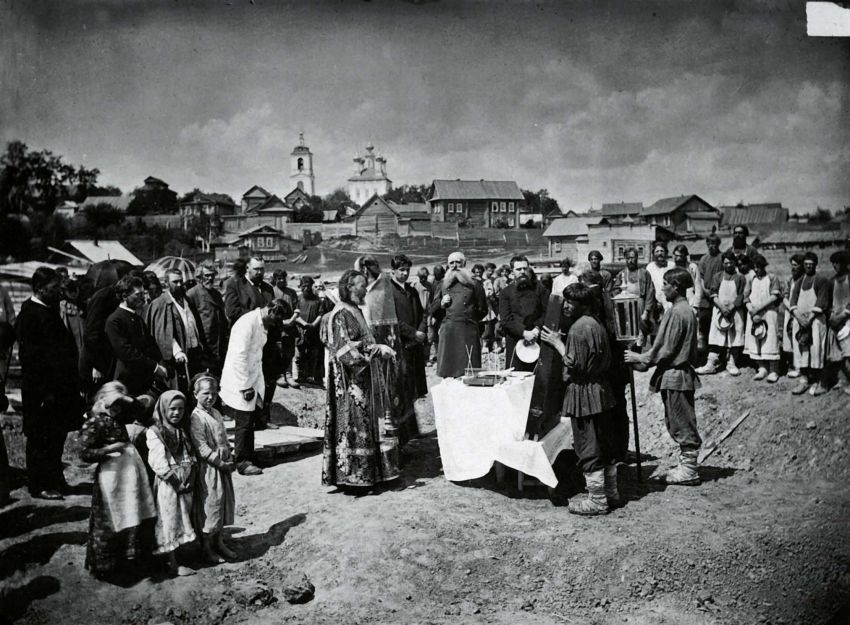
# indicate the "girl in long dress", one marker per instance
pixel 122 506
pixel 215 502
pixel 352 446
pixel 172 459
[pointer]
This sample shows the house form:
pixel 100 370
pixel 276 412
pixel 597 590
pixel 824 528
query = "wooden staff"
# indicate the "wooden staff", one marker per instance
pixel 635 422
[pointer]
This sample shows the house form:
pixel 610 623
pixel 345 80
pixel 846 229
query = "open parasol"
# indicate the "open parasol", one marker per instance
pixel 169 263
pixel 107 272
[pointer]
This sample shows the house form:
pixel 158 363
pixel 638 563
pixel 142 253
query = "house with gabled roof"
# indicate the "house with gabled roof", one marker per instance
pixel 482 203
pixel 622 212
pixel 683 213
pixel 264 241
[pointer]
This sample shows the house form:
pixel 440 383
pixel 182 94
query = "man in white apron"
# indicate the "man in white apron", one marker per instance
pixel 809 304
pixel 839 321
pixel 796 262
pixel 726 335
pixel 761 343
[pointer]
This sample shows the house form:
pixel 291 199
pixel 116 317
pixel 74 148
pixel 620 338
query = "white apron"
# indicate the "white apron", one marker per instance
pixel 786 335
pixel 813 356
pixel 768 347
pixel 127 496
pixel 839 350
pixel 734 336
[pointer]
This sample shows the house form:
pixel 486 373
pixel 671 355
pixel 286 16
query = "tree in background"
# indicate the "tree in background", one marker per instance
pixel 153 202
pixel 408 194
pixel 540 202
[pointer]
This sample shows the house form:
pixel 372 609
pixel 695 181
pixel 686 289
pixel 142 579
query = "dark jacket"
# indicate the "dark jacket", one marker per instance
pixel 409 312
pixel 50 388
pixel 520 310
pixel 135 350
pixel 165 324
pixel 240 296
pixel 96 347
pixel 214 324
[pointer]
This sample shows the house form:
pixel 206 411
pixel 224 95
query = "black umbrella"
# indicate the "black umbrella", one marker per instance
pixel 107 272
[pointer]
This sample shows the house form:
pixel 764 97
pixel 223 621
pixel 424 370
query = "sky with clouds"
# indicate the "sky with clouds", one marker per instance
pixel 597 102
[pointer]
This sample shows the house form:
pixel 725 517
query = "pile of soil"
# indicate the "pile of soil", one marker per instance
pixel 764 539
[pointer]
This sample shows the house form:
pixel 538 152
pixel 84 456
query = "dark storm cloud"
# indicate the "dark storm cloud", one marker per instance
pixel 596 102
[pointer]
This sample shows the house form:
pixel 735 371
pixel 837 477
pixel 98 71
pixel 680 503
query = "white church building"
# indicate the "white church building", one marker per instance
pixel 370 177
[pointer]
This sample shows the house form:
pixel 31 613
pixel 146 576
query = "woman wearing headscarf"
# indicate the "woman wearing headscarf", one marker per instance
pixel 172 459
pixel 122 506
pixel 356 393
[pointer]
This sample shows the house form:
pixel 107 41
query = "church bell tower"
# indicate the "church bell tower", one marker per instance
pixel 301 167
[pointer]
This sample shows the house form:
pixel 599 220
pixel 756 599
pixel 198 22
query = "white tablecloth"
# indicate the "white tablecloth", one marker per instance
pixel 477 426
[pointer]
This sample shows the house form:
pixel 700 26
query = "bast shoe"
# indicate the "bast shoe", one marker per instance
pixel 772 377
pixel 817 389
pixel 802 387
pixel 761 374
pixel 250 468
pixel 793 373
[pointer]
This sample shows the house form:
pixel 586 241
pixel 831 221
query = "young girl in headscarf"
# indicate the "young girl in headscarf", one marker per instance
pixel 171 457
pixel 122 506
pixel 215 501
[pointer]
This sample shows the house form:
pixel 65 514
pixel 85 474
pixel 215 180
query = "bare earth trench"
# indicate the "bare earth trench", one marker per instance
pixel 766 538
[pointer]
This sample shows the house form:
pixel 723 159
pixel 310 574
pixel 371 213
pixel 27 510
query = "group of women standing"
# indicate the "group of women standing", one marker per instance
pixel 162 479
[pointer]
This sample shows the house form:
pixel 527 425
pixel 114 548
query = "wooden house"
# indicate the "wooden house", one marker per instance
pixel 482 203
pixel 685 213
pixel 265 241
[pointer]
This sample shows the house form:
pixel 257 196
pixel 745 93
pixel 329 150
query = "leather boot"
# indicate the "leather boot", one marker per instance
pixel 685 474
pixel 612 492
pixel 711 366
pixel 595 503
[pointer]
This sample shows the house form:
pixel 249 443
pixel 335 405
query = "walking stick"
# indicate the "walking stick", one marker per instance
pixel 635 423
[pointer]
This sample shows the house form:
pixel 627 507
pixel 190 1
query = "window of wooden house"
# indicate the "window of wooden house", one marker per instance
pixel 510 207
pixel 451 207
pixel 494 207
pixel 503 207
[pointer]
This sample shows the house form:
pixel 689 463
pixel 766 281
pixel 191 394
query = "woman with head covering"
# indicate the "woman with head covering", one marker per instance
pixel 356 393
pixel 122 507
pixel 171 458
pixel 216 501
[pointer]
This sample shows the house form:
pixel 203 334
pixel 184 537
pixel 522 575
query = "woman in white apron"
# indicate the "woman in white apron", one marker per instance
pixel 761 342
pixel 809 301
pixel 726 335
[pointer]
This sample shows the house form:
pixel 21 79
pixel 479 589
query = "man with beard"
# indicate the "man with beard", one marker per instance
pixel 673 354
pixel 522 306
pixel 796 262
pixel 210 306
pixel 595 260
pixel 173 322
pixel 310 352
pixel 242 381
pixel 809 305
pixel 586 353
pixel 839 318
pixel 289 334
pixel 246 289
pixel 709 265
pixel 50 393
pixel 740 247
pixel 635 281
pixel 459 304
pixel 411 336
pixel 728 324
pixel 656 269
pixel 681 258
pixel 134 349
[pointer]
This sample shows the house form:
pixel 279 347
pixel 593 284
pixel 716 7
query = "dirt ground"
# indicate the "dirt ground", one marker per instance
pixel 765 538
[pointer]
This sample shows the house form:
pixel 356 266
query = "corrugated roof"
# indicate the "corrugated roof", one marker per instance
pixel 411 209
pixel 119 202
pixel 571 226
pixel 476 190
pixel 96 251
pixel 667 205
pixel 621 209
pixel 768 213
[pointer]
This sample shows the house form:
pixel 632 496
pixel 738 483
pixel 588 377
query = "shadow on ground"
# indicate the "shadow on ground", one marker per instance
pixel 38 549
pixel 15 602
pixel 27 518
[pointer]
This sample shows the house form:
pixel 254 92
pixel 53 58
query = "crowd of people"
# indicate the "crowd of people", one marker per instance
pixel 145 369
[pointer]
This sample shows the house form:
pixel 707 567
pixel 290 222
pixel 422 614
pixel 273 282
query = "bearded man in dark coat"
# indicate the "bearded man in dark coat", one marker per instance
pixel 522 306
pixel 459 304
pixel 50 387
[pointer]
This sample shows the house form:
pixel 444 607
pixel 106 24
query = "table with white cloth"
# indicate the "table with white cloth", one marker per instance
pixel 480 425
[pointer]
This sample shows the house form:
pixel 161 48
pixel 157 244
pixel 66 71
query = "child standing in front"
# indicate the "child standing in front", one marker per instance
pixel 172 460
pixel 215 501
